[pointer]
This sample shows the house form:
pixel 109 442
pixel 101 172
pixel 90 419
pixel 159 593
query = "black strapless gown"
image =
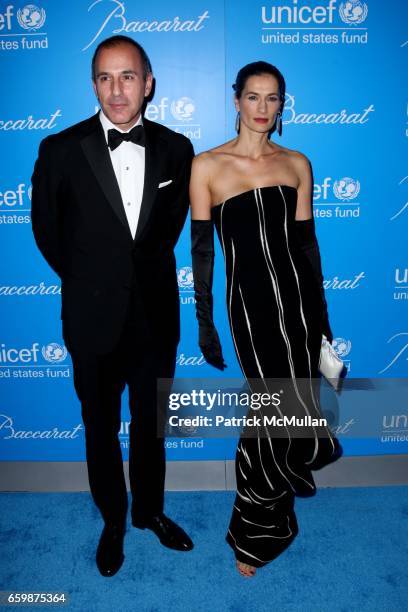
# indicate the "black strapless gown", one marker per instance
pixel 275 315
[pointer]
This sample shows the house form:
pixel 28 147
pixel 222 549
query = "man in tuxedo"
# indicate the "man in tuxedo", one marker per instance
pixel 109 200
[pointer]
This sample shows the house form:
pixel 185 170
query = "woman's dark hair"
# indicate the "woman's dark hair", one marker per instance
pixel 115 41
pixel 256 69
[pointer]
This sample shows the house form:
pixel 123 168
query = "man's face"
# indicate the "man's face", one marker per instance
pixel 119 84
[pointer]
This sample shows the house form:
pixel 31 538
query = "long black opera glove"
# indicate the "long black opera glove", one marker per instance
pixel 202 252
pixel 308 243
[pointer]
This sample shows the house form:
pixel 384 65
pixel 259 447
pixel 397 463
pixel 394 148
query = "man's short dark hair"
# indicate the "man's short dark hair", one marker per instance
pixel 115 41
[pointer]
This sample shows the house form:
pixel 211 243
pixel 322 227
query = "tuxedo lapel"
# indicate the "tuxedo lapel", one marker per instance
pixel 154 158
pixel 96 151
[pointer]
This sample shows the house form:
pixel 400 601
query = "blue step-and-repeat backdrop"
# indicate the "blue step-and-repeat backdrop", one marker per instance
pixel 346 109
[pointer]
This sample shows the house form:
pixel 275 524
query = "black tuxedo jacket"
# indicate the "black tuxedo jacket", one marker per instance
pixel 81 228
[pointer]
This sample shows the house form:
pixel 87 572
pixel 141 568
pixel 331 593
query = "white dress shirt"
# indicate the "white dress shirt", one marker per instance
pixel 128 160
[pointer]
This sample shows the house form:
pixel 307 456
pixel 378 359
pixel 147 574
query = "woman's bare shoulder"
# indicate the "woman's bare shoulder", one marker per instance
pixel 215 154
pixel 296 157
pixel 299 164
pixel 201 164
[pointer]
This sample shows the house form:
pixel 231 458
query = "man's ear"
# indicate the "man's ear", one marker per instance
pixel 148 84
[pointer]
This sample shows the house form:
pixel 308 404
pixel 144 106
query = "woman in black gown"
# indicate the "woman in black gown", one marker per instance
pixel 258 195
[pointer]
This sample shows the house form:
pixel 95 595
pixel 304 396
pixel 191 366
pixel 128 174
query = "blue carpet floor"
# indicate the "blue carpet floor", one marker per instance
pixel 351 554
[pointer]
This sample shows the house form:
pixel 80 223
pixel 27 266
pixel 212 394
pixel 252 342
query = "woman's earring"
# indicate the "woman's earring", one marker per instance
pixel 237 121
pixel 278 123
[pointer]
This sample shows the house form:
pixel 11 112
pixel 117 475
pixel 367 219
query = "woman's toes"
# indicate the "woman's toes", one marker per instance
pixel 246 570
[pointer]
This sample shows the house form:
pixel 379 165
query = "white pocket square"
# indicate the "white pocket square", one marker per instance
pixel 165 183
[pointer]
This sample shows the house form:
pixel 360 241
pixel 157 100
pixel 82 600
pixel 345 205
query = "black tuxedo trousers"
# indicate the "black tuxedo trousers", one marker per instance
pixel 99 383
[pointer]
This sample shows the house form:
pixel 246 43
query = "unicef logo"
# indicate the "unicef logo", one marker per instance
pixel 185 279
pixel 182 109
pixel 346 188
pixel 31 17
pixel 353 12
pixel 341 346
pixel 53 352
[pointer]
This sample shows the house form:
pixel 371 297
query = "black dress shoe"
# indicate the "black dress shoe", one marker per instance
pixel 169 534
pixel 109 555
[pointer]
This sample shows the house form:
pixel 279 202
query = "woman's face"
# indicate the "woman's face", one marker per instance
pixel 259 103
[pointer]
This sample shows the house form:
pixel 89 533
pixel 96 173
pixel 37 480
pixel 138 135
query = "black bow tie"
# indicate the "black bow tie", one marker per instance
pixel 136 135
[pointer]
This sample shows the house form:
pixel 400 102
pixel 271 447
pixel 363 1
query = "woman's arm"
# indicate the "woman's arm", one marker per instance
pixel 305 187
pixel 200 194
pixel 306 234
pixel 202 253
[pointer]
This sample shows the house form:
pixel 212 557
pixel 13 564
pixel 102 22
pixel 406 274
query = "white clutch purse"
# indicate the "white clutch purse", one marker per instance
pixel 330 364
